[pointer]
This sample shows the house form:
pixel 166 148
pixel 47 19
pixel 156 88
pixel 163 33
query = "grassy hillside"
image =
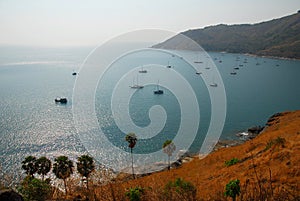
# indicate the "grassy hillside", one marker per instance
pixel 278 37
pixel 268 168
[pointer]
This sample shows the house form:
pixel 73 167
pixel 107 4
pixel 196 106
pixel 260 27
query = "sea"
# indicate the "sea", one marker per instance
pixel 31 123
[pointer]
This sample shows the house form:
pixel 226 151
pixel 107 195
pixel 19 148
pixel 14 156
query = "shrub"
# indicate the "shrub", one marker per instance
pixel 34 189
pixel 232 189
pixel 231 162
pixel 134 194
pixel 180 190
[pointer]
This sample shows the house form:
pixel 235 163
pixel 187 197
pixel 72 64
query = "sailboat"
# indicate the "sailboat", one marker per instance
pixel 207 67
pixel 142 70
pixel 158 91
pixel 136 86
pixel 169 66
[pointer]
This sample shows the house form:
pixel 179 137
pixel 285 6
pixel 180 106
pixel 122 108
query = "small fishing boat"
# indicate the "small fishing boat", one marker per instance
pixel 61 100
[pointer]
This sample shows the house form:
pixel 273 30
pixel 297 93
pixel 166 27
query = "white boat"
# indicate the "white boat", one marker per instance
pixel 206 65
pixel 214 84
pixel 136 85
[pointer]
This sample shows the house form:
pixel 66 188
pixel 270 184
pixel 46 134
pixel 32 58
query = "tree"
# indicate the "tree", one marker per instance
pixel 85 166
pixel 43 166
pixel 168 148
pixel 131 139
pixel 63 168
pixel 232 189
pixel 29 165
pixel 34 189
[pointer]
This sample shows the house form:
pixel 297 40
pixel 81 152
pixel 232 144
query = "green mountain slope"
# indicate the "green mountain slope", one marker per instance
pixel 278 37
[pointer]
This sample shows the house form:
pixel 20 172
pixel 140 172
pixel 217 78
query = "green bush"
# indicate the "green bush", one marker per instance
pixel 231 162
pixel 180 190
pixel 233 189
pixel 134 194
pixel 34 189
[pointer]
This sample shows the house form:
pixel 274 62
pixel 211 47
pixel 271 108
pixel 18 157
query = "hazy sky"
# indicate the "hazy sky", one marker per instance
pixel 90 22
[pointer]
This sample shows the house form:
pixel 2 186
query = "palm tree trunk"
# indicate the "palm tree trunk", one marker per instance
pixel 169 167
pixel 87 183
pixel 65 184
pixel 132 163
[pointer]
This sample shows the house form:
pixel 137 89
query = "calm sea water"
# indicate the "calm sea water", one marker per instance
pixel 31 78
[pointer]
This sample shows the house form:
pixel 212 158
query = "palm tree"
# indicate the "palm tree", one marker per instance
pixel 131 139
pixel 43 166
pixel 168 148
pixel 29 165
pixel 85 166
pixel 63 168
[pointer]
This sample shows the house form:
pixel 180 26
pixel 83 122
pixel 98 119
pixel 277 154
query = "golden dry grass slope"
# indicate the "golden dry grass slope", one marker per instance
pixel 268 169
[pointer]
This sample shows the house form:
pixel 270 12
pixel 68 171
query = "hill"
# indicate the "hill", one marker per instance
pixel 268 168
pixel 278 37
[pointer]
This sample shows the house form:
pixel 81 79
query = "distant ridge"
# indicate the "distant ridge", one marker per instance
pixel 277 37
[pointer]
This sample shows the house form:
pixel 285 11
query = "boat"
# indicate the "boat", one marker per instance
pixel 233 73
pixel 158 91
pixel 169 66
pixel 61 100
pixel 136 86
pixel 198 62
pixel 74 73
pixel 206 65
pixel 142 70
pixel 236 68
pixel 198 73
pixel 214 84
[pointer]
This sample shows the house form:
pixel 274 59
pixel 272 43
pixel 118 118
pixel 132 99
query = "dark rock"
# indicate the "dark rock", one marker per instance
pixel 10 195
pixel 255 129
pixel 274 118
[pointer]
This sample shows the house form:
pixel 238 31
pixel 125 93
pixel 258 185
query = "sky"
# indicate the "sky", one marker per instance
pixel 91 22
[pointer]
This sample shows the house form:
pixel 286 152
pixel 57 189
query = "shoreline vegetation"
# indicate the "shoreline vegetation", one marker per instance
pixel 262 166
